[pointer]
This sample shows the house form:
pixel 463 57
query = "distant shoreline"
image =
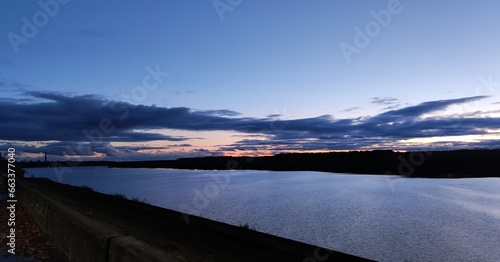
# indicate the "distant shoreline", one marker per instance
pixel 421 164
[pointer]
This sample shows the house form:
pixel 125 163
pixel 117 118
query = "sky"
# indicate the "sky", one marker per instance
pixel 135 80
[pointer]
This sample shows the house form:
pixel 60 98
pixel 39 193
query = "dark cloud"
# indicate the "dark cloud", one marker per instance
pixel 350 109
pixel 389 102
pixel 429 107
pixel 177 79
pixel 78 118
pixel 146 147
pixel 20 85
pixel 380 131
pixel 87 150
pixel 13 87
pixel 88 124
pixel 222 112
pixel 384 100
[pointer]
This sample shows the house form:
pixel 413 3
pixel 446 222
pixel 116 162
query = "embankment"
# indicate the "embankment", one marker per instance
pixel 90 226
pixel 80 237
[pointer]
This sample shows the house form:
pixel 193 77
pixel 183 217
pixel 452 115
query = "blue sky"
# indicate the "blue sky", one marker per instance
pixel 243 68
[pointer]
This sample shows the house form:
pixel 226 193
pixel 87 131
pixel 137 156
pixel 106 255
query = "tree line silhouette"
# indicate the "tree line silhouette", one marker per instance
pixel 429 164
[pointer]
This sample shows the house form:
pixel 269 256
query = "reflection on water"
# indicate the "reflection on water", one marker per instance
pixel 385 218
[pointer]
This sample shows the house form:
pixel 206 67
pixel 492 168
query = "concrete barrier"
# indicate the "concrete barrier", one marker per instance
pixel 81 238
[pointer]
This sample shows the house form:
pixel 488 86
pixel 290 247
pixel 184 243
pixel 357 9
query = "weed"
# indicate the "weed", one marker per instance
pixel 247 226
pixel 120 195
pixel 86 188
pixel 144 201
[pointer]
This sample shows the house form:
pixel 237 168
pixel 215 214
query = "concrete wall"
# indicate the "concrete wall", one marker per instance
pixel 82 238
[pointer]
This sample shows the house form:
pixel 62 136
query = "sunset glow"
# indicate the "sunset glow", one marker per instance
pixel 182 79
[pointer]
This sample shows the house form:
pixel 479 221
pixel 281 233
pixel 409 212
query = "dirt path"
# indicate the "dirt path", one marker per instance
pixel 32 244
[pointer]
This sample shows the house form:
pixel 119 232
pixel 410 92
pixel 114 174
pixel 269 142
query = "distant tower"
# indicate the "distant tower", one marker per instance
pixel 45 157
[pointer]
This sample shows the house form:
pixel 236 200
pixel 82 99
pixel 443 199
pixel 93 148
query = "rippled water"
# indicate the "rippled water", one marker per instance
pixel 385 218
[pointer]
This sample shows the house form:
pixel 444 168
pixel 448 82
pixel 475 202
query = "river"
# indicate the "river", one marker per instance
pixel 385 218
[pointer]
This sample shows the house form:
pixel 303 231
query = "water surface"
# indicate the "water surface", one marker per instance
pixel 385 218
